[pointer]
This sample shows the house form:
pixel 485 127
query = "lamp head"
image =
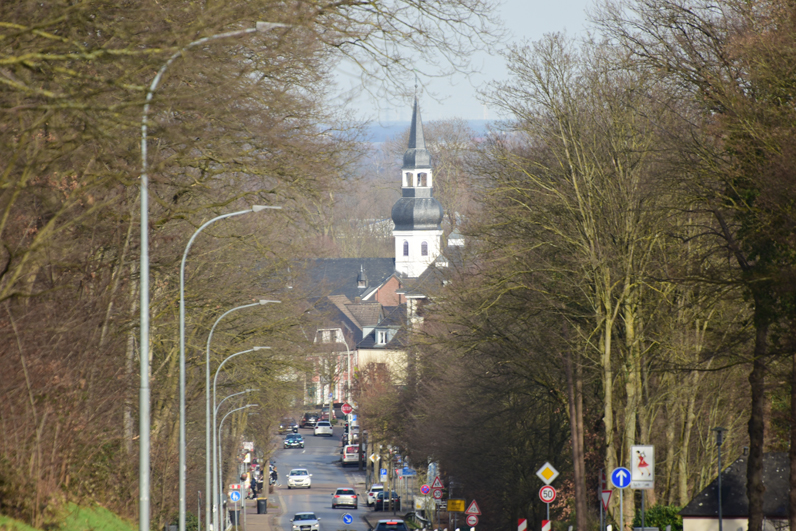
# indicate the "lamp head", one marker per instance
pixel 267 301
pixel 265 26
pixel 719 435
pixel 261 348
pixel 257 208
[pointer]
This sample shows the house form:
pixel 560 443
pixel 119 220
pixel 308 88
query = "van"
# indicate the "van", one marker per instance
pixel 350 454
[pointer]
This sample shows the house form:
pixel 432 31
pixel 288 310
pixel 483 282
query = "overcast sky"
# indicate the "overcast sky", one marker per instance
pixel 524 19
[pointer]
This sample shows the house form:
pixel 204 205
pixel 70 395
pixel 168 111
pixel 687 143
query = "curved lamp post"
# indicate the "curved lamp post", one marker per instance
pixel 220 458
pixel 208 449
pixel 144 391
pixel 255 208
pixel 215 412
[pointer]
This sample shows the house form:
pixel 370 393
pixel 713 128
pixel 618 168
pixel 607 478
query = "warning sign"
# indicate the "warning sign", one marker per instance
pixel 437 484
pixel 473 509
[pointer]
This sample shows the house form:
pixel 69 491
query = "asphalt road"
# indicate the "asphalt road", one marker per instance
pixel 321 456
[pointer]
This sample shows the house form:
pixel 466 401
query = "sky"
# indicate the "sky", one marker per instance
pixel 524 20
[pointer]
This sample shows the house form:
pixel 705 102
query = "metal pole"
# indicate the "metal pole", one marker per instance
pixel 216 487
pixel 215 411
pixel 144 391
pixel 220 425
pixel 643 520
pixel 621 512
pixel 208 431
pixel 720 515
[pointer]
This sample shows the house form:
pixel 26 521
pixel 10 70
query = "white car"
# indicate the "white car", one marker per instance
pixel 375 489
pixel 299 477
pixel 323 427
pixel 306 522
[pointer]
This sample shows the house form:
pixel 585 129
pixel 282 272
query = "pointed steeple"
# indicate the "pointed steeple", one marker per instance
pixel 417 156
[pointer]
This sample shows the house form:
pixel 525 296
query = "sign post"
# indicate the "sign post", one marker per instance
pixel 522 524
pixel 642 471
pixel 547 494
pixel 620 477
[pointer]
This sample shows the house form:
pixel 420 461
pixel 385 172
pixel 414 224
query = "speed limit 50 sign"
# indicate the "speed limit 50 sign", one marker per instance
pixel 547 494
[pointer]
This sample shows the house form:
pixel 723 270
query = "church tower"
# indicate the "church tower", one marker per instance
pixel 417 214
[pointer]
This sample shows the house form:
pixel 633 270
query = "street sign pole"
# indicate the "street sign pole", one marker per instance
pixel 621 511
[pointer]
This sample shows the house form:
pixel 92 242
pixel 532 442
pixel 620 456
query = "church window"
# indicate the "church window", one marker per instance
pixel 406 248
pixel 424 249
pixel 408 180
pixel 422 179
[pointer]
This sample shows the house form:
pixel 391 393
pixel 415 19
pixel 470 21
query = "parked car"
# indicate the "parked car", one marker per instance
pixel 374 490
pixel 391 525
pixel 294 440
pixel 350 455
pixel 299 477
pixel 344 496
pixel 382 502
pixel 323 427
pixel 308 420
pixel 306 522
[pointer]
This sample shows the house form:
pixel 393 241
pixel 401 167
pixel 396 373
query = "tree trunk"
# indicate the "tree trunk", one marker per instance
pixel 754 471
pixel 576 430
pixel 792 493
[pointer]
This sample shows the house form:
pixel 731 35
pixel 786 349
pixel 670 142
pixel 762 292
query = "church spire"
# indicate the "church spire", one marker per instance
pixel 416 156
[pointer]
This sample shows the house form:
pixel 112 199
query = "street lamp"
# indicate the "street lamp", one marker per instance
pixel 220 458
pixel 255 208
pixel 208 452
pixel 215 488
pixel 215 411
pixel 144 391
pixel 348 351
pixel 719 441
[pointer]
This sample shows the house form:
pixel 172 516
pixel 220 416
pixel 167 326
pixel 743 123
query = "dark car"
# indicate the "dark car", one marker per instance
pixel 308 420
pixel 391 525
pixel 286 425
pixel 382 502
pixel 294 440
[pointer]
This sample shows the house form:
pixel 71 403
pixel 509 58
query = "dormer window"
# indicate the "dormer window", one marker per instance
pixel 381 337
pixel 406 248
pixel 409 180
pixel 424 249
pixel 422 179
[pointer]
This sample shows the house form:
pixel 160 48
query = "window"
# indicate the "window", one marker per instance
pixel 381 337
pixel 326 336
pixel 422 179
pixel 409 179
pixel 424 249
pixel 406 248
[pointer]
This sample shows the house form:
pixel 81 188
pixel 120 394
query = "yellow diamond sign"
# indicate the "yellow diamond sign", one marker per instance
pixel 547 473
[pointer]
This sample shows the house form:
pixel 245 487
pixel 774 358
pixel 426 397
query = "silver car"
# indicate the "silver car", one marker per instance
pixel 344 496
pixel 306 522
pixel 299 477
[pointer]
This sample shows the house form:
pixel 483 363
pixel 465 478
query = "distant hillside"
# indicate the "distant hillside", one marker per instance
pixel 380 132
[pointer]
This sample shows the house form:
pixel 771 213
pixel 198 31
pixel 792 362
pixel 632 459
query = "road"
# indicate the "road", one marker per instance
pixel 321 456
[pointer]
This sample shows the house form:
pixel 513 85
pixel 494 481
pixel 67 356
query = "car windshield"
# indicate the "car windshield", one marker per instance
pixel 386 526
pixel 298 472
pixel 323 424
pixel 305 516
pixel 345 491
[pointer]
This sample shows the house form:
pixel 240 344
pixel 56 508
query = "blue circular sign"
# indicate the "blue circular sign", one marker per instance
pixel 348 519
pixel 620 477
pixel 234 495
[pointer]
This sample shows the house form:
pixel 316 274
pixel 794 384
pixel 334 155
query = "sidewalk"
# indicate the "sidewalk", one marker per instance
pixel 260 522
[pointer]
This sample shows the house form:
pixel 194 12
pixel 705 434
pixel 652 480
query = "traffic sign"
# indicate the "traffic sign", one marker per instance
pixel 234 486
pixel 605 497
pixel 234 495
pixel 472 520
pixel 522 524
pixel 455 505
pixel 473 509
pixel 436 484
pixel 383 474
pixel 425 489
pixel 547 473
pixel 346 408
pixel 348 519
pixel 642 467
pixel 437 494
pixel 620 477
pixel 547 494
pixel 374 458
